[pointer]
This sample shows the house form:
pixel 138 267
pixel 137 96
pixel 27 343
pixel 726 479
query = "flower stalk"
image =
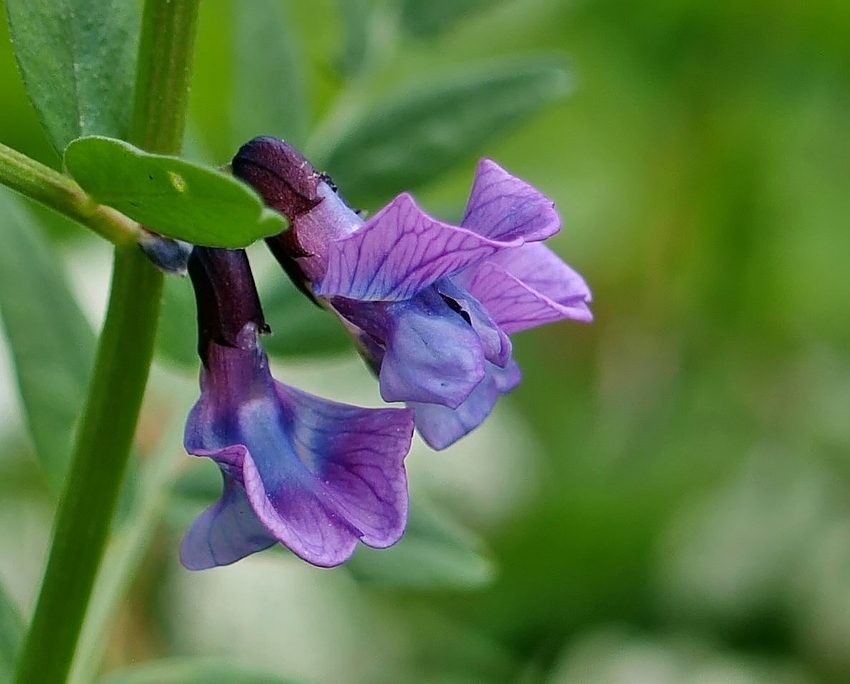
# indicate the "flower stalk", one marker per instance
pixel 62 194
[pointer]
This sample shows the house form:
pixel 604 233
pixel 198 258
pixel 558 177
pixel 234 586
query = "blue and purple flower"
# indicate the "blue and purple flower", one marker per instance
pixel 314 475
pixel 431 305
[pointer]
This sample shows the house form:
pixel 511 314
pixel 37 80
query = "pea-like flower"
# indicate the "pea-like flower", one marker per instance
pixel 314 475
pixel 430 304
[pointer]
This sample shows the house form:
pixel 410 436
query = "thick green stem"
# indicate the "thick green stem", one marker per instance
pixel 97 468
pixel 121 367
pixel 60 192
pixel 162 93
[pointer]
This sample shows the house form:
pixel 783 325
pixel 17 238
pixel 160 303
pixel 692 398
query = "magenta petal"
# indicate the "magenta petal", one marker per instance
pixel 441 426
pixel 226 532
pixel 399 252
pixel 503 207
pixel 516 304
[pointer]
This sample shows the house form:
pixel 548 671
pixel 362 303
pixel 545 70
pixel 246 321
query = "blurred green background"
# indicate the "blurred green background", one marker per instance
pixel 666 498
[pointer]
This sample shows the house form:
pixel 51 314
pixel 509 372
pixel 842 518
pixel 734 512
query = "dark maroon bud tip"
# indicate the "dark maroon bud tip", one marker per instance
pixel 226 296
pixel 286 181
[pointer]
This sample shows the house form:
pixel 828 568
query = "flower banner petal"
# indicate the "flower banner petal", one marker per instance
pixel 399 252
pixel 503 207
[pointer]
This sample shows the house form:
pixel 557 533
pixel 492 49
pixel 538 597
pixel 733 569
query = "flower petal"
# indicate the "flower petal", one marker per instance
pixel 515 303
pixel 441 426
pixel 495 343
pixel 358 456
pixel 300 517
pixel 399 252
pixel 226 532
pixel 503 207
pixel 432 354
pixel 322 475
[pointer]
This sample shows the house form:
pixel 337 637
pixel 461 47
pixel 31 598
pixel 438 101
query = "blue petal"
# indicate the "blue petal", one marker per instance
pixel 441 426
pixel 432 354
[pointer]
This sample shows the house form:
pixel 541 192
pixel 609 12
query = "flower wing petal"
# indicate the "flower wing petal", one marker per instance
pixel 398 253
pixel 441 426
pixel 519 298
pixel 432 354
pixel 503 207
pixel 226 532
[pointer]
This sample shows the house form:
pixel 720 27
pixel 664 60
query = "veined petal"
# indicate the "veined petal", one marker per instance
pixel 441 426
pixel 349 483
pixel 541 269
pixel 515 303
pixel 503 207
pixel 358 456
pixel 318 476
pixel 432 354
pixel 398 253
pixel 226 532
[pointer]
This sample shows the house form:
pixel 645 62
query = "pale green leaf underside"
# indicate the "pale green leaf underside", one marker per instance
pixel 78 61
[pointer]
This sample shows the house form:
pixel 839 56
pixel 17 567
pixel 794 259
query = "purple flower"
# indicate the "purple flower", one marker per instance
pixel 314 475
pixel 430 304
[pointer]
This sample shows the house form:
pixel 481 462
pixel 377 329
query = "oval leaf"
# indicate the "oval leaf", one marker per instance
pixel 191 671
pixel 436 552
pixel 52 343
pixel 78 61
pixel 404 143
pixel 172 196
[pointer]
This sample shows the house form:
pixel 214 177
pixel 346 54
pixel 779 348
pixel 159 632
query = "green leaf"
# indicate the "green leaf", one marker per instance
pixel 436 552
pixel 52 343
pixel 78 61
pixel 191 671
pixel 174 197
pixel 430 17
pixel 355 19
pixel 270 89
pixel 299 327
pixel 412 139
pixel 11 635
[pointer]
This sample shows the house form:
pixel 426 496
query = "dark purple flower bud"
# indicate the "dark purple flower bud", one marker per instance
pixel 430 304
pixel 314 475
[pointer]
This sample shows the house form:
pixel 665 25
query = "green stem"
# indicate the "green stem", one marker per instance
pixel 124 355
pixel 162 93
pixel 61 193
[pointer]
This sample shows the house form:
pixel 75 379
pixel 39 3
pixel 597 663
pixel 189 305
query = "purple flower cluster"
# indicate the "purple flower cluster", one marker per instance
pixel 430 307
